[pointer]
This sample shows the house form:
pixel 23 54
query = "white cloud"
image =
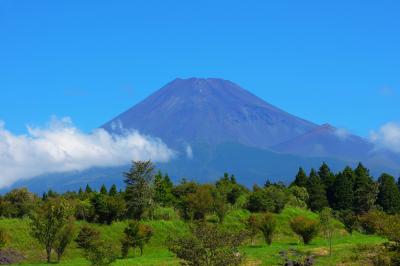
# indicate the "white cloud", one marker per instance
pixel 387 137
pixel 342 133
pixel 189 152
pixel 61 147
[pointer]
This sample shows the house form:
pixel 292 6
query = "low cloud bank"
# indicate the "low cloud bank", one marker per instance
pixel 61 147
pixel 387 137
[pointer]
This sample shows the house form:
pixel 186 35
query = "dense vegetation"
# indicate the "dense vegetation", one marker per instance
pixel 322 218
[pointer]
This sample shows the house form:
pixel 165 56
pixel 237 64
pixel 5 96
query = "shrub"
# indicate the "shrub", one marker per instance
pixel 267 226
pixel 3 238
pixel 100 254
pixel 208 245
pixel 373 222
pixel 349 219
pixel 306 228
pixel 252 227
pixel 87 237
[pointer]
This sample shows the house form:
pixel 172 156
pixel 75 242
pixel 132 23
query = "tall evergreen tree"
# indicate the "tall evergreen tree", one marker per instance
pixel 301 178
pixel 343 190
pixel 88 189
pixel 103 190
pixel 365 190
pixel 113 191
pixel 316 191
pixel 327 178
pixel 163 189
pixel 389 195
pixel 138 188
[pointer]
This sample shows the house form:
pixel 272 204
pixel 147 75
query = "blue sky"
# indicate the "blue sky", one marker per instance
pixel 336 62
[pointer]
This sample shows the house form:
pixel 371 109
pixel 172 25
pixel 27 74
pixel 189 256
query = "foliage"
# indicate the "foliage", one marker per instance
pixel 4 238
pixel 349 220
pixel 48 222
pixel 306 228
pixel 267 225
pixel 135 235
pixel 163 190
pixel 208 245
pixel 100 254
pixel 343 190
pixel 64 238
pixel 138 188
pixel 301 179
pixel 389 195
pixel 316 191
pixel 17 203
pixel 87 237
pixel 269 199
pixel 327 225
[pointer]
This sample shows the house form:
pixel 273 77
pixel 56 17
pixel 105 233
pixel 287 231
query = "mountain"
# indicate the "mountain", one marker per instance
pixel 215 126
pixel 211 111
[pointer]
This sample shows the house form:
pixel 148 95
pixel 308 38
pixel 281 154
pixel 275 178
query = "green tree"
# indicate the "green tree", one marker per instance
pixel 267 226
pixel 135 235
pixel 201 202
pixel 139 192
pixel 64 238
pixel 301 179
pixel 343 190
pixel 316 191
pixel 88 189
pixel 163 189
pixel 328 179
pixel 327 225
pixel 252 227
pixel 113 191
pixel 47 223
pixel 389 195
pixel 365 190
pixel 103 190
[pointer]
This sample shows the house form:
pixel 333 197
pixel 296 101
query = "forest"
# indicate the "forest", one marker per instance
pixel 321 218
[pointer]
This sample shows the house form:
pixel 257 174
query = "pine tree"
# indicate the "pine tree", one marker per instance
pixel 316 191
pixel 301 179
pixel 103 190
pixel 389 195
pixel 327 178
pixel 138 188
pixel 343 190
pixel 113 191
pixel 365 190
pixel 88 189
pixel 163 189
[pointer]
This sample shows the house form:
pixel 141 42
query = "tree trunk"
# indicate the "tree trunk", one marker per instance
pixel 48 252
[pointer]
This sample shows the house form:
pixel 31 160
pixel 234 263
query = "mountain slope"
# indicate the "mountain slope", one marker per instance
pixel 210 111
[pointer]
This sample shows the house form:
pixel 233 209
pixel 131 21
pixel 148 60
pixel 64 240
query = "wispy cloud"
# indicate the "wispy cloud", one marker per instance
pixel 387 137
pixel 189 152
pixel 61 147
pixel 342 133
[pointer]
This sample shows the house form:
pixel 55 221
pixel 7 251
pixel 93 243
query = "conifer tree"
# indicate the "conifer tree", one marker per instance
pixel 316 191
pixel 389 195
pixel 365 190
pixel 88 189
pixel 103 190
pixel 327 178
pixel 138 193
pixel 113 191
pixel 301 178
pixel 343 190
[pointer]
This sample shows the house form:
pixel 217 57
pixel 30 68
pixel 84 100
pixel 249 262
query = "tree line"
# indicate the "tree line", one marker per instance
pixel 351 195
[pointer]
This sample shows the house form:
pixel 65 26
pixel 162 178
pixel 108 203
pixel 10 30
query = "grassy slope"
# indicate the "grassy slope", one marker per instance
pixel 156 253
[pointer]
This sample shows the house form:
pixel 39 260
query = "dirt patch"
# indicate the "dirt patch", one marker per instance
pixel 10 256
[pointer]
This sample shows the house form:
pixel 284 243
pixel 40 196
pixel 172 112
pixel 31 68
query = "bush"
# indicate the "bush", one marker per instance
pixel 100 254
pixel 4 237
pixel 373 222
pixel 252 227
pixel 306 228
pixel 164 213
pixel 349 219
pixel 87 237
pixel 208 245
pixel 267 226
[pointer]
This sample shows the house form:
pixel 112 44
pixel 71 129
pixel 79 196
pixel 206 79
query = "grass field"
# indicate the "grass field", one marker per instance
pixel 156 253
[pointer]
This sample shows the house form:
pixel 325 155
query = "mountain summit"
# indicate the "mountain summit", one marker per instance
pixel 210 111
